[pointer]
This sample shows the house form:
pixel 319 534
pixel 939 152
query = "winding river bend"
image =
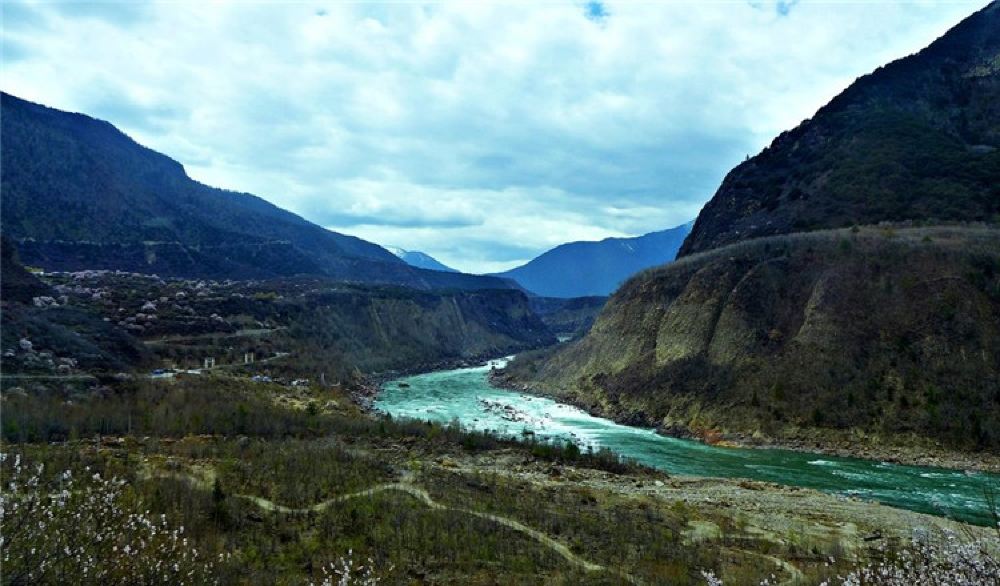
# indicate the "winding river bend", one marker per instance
pixel 465 395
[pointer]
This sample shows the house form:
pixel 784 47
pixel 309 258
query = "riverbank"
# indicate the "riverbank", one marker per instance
pixel 871 448
pixel 249 468
pixel 465 396
pixel 907 450
pixel 767 502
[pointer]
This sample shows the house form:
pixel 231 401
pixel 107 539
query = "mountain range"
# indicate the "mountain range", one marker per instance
pixel 80 194
pixel 586 269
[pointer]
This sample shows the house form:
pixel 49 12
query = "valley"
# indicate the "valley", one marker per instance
pixel 268 462
pixel 799 387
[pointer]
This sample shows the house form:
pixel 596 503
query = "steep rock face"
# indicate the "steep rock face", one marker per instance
pixel 879 331
pixel 918 139
pixel 462 325
pixel 380 329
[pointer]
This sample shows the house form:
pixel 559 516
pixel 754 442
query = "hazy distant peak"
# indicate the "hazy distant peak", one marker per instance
pixel 419 259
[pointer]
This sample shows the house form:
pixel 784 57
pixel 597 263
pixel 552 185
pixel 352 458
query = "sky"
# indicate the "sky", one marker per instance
pixel 480 133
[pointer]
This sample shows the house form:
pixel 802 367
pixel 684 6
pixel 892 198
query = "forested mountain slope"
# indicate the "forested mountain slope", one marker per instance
pixel 917 139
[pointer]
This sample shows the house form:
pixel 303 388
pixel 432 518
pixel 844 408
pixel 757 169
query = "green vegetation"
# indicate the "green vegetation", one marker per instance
pixel 275 500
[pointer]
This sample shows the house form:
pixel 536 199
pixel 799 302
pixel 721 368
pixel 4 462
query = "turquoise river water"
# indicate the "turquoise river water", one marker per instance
pixel 465 395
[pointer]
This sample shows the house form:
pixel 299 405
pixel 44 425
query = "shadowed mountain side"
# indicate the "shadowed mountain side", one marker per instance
pixel 568 317
pixel 918 139
pixel 582 269
pixel 79 194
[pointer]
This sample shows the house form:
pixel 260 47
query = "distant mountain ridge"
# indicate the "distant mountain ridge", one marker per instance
pixel 80 194
pixel 917 139
pixel 418 259
pixel 586 269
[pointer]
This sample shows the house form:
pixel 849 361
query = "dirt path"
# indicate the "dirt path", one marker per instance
pixel 795 575
pixel 49 377
pixel 425 497
pixel 205 477
pixel 247 333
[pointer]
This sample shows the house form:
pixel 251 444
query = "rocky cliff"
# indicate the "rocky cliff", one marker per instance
pixel 885 332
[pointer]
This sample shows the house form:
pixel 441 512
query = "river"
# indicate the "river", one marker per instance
pixel 465 395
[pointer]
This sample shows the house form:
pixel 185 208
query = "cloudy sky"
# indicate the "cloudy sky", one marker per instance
pixel 482 134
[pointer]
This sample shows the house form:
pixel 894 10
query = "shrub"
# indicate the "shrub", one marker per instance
pixel 932 562
pixel 345 572
pixel 60 530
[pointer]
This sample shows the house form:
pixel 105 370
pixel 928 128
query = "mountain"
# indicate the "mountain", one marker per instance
pixel 109 321
pixel 419 259
pixel 881 336
pixel 918 139
pixel 584 269
pixel 80 194
pixel 887 335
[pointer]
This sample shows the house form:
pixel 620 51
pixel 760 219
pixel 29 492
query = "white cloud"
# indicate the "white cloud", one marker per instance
pixel 479 133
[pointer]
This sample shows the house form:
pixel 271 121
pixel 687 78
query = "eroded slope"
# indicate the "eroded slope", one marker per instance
pixel 876 331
